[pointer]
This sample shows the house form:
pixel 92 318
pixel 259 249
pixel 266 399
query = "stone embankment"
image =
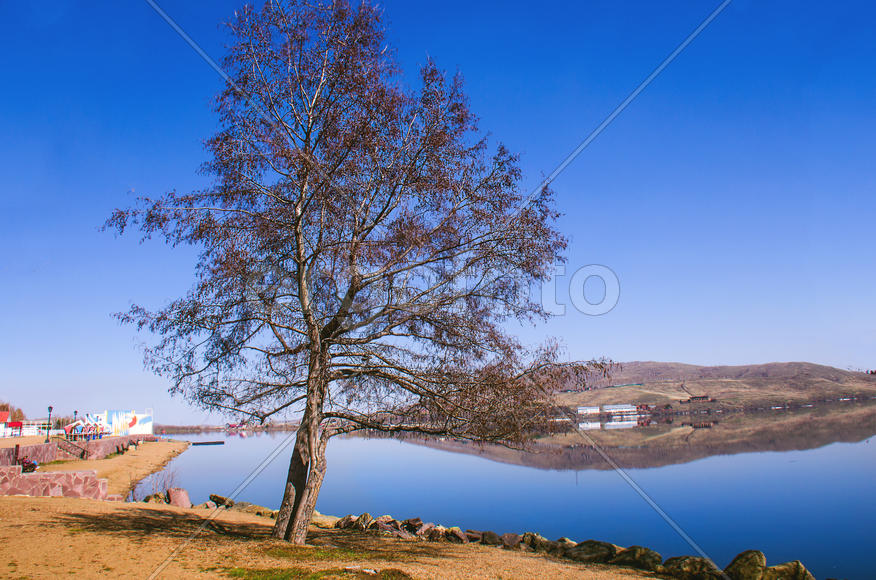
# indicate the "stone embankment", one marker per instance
pixel 76 484
pixel 62 449
pixel 749 565
pixel 81 484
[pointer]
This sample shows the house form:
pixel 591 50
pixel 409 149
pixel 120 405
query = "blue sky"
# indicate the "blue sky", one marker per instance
pixel 734 198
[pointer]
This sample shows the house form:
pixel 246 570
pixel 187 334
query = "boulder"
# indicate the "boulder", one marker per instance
pixel 638 557
pixel 251 508
pixel 382 529
pixel 590 552
pixel 491 539
pixel 474 535
pixel 319 520
pixel 219 500
pixel 363 522
pixel 346 522
pixel 411 525
pixel 510 541
pixel 691 568
pixel 535 542
pixel 561 546
pixel 207 505
pixel 748 565
pixel 155 498
pixel 436 534
pixel 178 497
pixel 788 571
pixel 456 535
pixel 424 529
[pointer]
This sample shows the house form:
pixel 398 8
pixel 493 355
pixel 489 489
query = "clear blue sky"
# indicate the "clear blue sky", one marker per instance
pixel 734 198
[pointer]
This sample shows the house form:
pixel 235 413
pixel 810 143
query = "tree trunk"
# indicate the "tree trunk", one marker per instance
pixel 303 483
pixel 296 532
pixel 307 466
pixel 296 480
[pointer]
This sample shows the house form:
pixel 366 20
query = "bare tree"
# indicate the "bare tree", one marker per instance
pixel 362 251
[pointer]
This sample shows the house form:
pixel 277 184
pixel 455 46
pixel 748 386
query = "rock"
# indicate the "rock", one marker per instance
pixel 491 539
pixel 560 547
pixel 345 522
pixel 748 565
pixel 590 551
pixel 424 529
pixel 251 508
pixel 638 557
pixel 456 535
pixel 474 535
pixel 788 571
pixel 155 498
pixel 691 568
pixel 381 529
pixel 510 541
pixel 219 500
pixel 178 497
pixel 363 522
pixel 319 520
pixel 436 534
pixel 411 525
pixel 535 542
pixel 553 548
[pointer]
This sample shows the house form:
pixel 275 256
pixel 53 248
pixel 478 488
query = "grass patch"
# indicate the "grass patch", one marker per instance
pixel 325 554
pixel 301 574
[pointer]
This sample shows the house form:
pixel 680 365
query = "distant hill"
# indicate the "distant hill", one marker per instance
pixel 732 387
pixel 649 371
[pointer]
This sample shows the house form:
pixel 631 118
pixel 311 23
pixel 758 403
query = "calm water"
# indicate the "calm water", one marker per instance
pixel 816 505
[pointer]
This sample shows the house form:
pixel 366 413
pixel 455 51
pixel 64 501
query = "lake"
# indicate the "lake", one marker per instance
pixel 815 505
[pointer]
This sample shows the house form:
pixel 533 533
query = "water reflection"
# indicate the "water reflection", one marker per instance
pixel 654 441
pixel 774 483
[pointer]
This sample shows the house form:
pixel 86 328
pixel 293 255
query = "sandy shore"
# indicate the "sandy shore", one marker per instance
pixel 23 441
pixel 125 470
pixel 55 537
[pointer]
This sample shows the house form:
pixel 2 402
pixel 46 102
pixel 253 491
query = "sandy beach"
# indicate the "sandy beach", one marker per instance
pixel 53 537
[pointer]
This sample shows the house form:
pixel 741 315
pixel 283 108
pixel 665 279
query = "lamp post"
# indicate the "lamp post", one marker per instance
pixel 49 425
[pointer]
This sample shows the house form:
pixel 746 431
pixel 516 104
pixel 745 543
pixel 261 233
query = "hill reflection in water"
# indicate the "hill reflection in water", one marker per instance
pixel 686 439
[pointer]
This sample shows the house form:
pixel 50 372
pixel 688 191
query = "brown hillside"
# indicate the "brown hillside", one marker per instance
pixel 732 387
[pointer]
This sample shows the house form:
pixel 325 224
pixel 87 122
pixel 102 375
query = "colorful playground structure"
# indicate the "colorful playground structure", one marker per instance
pixel 110 422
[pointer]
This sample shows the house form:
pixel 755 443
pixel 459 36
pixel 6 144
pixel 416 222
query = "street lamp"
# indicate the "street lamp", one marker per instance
pixel 49 426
